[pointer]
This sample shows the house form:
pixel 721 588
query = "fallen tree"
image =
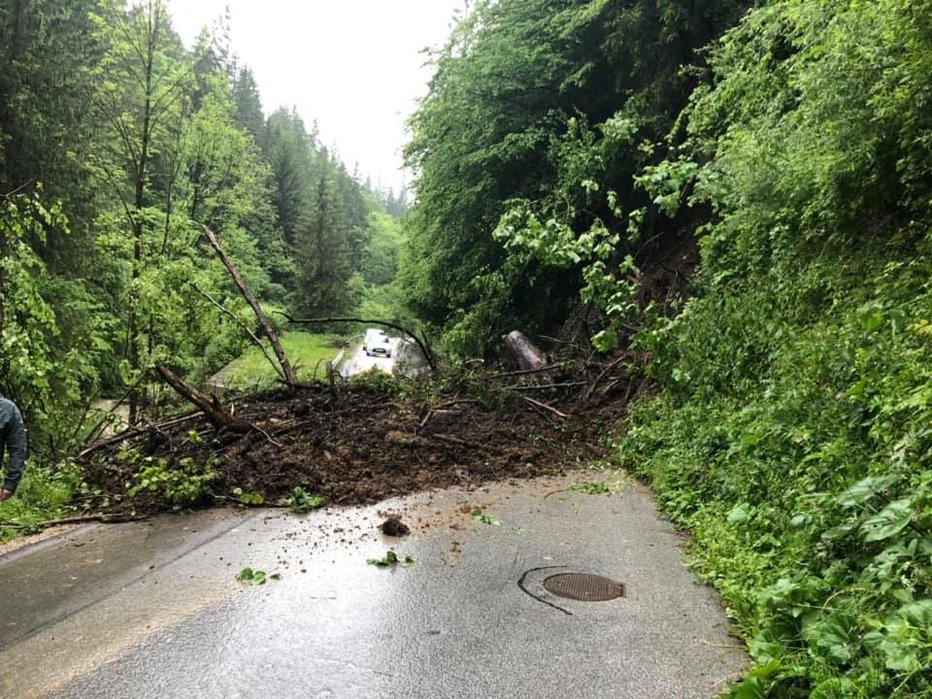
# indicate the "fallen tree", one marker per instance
pixel 287 373
pixel 218 416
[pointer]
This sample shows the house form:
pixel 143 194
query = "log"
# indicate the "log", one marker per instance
pixel 213 411
pixel 538 404
pixel 270 333
pixel 524 351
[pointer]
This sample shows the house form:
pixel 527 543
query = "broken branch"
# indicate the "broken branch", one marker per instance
pixel 544 406
pixel 252 336
pixel 270 333
pixel 218 416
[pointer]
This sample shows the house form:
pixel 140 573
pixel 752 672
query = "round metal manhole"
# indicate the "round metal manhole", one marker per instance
pixel 584 587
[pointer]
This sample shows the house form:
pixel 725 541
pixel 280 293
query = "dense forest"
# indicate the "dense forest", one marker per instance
pixel 117 145
pixel 731 198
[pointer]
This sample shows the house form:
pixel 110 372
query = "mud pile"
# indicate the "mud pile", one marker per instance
pixel 356 445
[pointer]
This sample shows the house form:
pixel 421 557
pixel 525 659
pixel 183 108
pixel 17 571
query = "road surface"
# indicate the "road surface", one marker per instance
pixel 154 610
pixel 359 362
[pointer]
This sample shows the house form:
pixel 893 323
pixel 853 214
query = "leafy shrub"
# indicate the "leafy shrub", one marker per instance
pixel 185 484
pixel 793 432
pixel 809 493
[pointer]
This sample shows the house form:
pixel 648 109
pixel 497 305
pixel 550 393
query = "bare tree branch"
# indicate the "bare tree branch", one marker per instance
pixel 270 333
pixel 252 335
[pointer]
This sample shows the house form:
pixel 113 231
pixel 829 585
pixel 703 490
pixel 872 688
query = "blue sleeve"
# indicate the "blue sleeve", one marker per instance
pixel 16 446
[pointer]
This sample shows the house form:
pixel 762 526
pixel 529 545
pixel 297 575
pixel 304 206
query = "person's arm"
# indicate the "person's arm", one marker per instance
pixel 16 447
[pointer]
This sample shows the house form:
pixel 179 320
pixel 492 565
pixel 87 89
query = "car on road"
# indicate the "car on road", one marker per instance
pixel 377 343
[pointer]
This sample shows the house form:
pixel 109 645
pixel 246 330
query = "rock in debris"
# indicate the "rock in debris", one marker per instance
pixel 393 526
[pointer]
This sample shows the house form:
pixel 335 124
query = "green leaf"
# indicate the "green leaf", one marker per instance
pixel 301 502
pixel 836 636
pixel 754 686
pixel 480 516
pixel 864 489
pixel 389 559
pixel 873 322
pixel 889 521
pixel 740 513
pixel 253 577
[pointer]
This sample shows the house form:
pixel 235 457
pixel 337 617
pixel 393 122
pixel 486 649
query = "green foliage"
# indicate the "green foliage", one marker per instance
pixel 322 253
pixel 248 499
pixel 791 433
pixel 300 501
pixel 45 366
pixel 389 560
pixel 539 120
pixel 44 494
pixel 485 518
pixel 380 261
pixel 592 488
pixel 256 577
pixel 107 120
pixel 27 321
pixel 181 485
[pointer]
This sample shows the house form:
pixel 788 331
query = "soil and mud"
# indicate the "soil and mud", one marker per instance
pixel 357 445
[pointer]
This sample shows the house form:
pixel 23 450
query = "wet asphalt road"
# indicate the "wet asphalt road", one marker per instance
pixel 153 609
pixel 360 363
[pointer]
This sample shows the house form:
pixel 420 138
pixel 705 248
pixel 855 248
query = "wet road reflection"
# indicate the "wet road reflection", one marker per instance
pixel 452 624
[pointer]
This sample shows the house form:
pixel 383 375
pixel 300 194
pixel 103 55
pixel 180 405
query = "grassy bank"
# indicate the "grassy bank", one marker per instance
pixel 307 352
pixel 42 496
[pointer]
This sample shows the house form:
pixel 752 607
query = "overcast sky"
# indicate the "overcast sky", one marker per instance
pixel 354 65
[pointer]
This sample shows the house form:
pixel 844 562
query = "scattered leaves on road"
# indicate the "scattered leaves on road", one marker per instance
pixel 592 488
pixel 480 516
pixel 256 577
pixel 389 559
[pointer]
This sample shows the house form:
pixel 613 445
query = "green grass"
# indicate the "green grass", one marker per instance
pixel 307 352
pixel 42 496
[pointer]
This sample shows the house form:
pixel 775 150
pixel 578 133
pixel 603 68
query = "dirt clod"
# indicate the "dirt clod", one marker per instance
pixel 393 526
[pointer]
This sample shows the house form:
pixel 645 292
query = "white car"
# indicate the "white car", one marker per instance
pixel 377 343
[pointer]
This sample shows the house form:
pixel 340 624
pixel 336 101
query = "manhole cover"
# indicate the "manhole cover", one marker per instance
pixel 585 587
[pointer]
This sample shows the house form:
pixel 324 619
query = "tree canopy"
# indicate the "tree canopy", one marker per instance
pixel 117 144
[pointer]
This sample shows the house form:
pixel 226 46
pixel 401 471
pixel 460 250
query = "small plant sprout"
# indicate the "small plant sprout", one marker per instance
pixel 301 502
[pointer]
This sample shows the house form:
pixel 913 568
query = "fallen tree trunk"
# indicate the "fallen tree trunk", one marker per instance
pixel 130 433
pixel 213 411
pixel 270 333
pixel 528 356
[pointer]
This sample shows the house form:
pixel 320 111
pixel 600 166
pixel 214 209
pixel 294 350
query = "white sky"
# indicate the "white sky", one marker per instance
pixel 354 65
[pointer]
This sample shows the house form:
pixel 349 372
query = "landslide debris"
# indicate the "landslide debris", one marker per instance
pixel 356 445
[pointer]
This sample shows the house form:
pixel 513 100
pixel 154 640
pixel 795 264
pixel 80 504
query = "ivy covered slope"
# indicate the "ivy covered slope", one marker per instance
pixel 793 431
